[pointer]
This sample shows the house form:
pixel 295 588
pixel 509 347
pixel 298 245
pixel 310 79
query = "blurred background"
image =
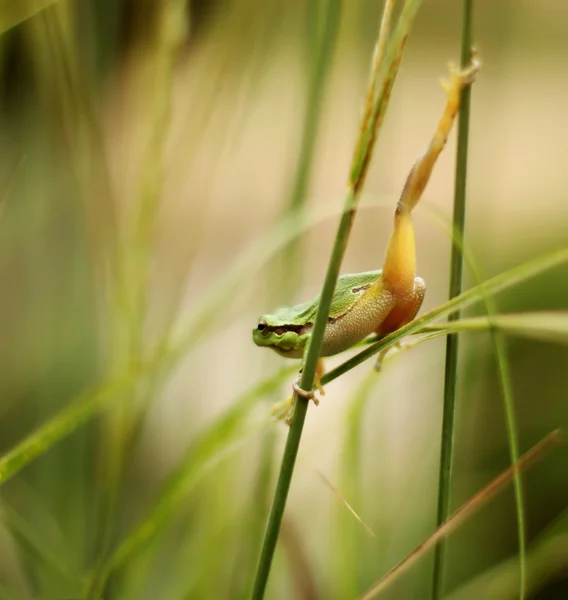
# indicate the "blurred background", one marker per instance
pixel 147 147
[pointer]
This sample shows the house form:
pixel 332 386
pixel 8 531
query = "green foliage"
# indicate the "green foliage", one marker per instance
pixel 140 216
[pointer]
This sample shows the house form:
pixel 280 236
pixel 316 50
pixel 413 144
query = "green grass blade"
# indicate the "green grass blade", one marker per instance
pixel 60 426
pixel 94 401
pixel 14 12
pixel 7 593
pixel 170 351
pixel 31 542
pixel 512 435
pixel 349 534
pixel 465 511
pixel 456 268
pixel 203 452
pixel 319 69
pixel 545 561
pixel 471 297
pixel 542 326
pixel 361 159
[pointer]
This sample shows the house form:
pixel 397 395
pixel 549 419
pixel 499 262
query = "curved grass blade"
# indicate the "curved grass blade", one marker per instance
pixel 94 401
pixel 512 435
pixel 545 561
pixel 345 503
pixel 31 542
pixel 203 451
pixel 543 326
pixel 170 351
pixel 468 298
pixel 7 593
pixel 466 510
pixel 348 547
pixel 14 12
pixel 80 412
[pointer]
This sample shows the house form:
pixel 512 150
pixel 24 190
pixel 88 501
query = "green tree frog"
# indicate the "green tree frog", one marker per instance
pixel 379 301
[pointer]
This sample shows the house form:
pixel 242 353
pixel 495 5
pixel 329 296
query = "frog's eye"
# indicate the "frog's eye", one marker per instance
pixel 263 327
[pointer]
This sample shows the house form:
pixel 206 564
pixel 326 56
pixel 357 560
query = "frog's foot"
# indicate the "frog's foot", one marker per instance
pixel 317 383
pixel 383 353
pixel 319 374
pixel 282 411
pixel 304 393
pixel 461 78
pixel 285 410
pixel 290 414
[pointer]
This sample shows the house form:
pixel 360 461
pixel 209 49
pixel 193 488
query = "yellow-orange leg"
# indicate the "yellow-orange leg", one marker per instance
pixel 402 314
pixel 399 269
pixel 319 375
pixel 422 169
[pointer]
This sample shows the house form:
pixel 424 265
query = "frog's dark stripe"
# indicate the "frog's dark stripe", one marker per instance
pixel 361 288
pixel 355 290
pixel 299 329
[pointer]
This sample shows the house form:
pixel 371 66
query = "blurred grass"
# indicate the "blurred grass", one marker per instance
pixel 76 101
pixel 464 512
pixel 13 13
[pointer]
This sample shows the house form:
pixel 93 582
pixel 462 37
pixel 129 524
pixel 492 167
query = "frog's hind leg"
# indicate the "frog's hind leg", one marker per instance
pixel 406 309
pixel 399 268
pixel 281 410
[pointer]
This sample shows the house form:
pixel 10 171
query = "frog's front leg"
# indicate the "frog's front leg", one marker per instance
pixel 285 410
pixel 317 383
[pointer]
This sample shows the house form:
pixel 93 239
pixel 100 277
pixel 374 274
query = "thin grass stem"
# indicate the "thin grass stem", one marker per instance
pixel 456 269
pixel 466 299
pixel 361 159
pixel 512 437
pixel 94 401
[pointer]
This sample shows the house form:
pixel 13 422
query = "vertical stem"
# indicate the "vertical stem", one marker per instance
pixel 328 15
pixel 361 159
pixel 318 68
pixel 295 433
pixel 456 268
pixel 324 16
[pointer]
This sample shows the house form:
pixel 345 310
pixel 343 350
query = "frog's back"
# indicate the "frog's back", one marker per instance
pixel 350 287
pixel 299 314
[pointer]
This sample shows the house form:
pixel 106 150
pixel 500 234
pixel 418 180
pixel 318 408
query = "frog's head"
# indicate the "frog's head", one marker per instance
pixel 286 339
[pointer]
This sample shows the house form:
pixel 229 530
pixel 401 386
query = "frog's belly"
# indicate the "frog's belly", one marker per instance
pixel 363 319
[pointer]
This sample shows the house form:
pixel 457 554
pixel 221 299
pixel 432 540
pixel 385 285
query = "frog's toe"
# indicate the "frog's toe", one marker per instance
pixel 461 78
pixel 379 362
pixel 281 410
pixel 304 393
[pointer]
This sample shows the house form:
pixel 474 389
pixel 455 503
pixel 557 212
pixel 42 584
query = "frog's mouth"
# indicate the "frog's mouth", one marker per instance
pixel 288 352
